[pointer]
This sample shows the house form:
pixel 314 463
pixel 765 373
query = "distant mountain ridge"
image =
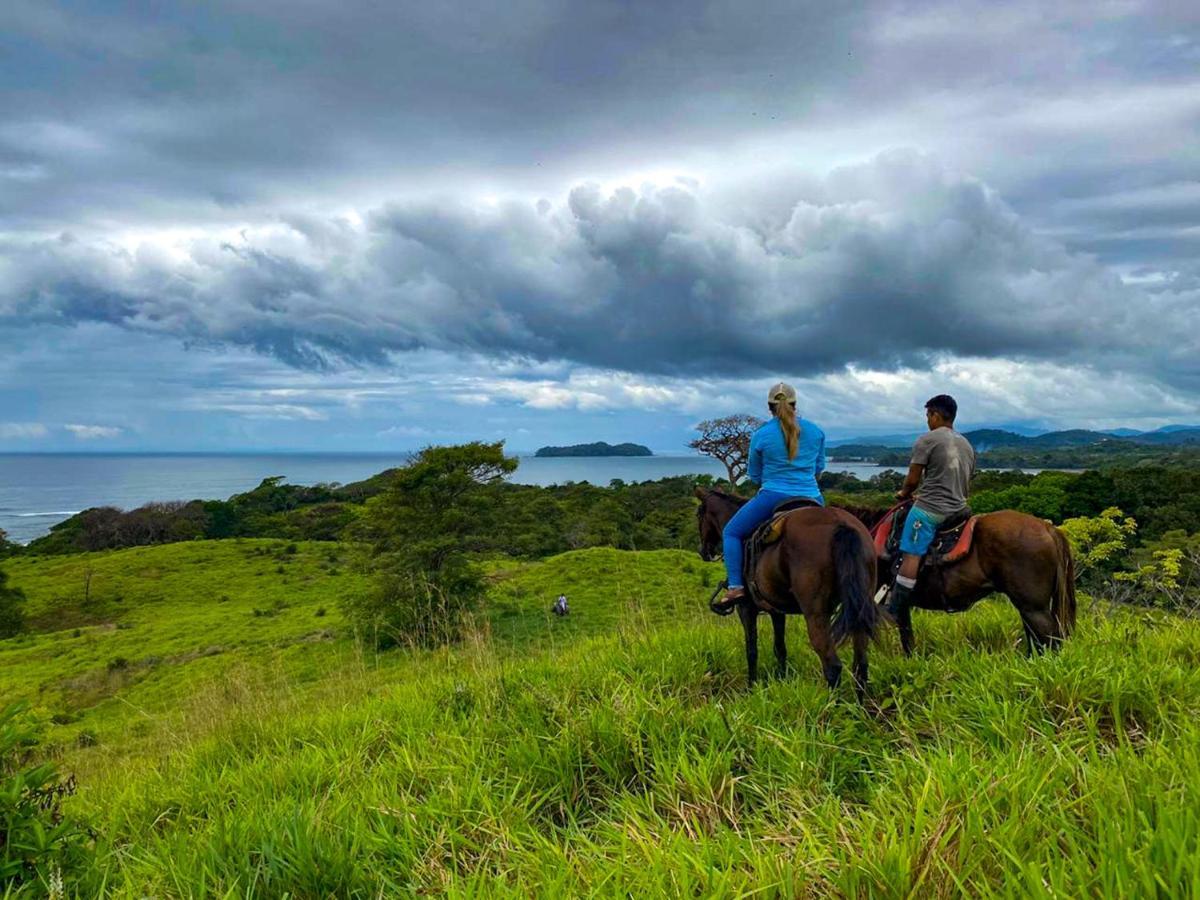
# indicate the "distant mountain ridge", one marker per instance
pixel 984 439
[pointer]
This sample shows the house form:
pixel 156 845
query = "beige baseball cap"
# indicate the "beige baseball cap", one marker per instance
pixel 782 393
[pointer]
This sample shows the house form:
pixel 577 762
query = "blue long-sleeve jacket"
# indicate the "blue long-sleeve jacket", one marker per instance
pixel 770 468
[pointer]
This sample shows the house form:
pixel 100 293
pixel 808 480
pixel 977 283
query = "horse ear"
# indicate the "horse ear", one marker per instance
pixel 701 493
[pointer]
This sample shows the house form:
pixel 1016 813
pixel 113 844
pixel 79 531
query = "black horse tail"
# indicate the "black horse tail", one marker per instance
pixel 1063 604
pixel 858 613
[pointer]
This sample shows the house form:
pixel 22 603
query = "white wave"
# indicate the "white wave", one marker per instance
pixel 36 515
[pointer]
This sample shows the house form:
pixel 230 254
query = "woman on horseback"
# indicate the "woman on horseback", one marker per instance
pixel 786 456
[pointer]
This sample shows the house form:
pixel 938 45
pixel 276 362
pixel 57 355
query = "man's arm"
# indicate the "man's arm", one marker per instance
pixel 916 468
pixel 911 482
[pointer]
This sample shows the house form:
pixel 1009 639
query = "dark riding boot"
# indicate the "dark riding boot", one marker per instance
pixel 899 601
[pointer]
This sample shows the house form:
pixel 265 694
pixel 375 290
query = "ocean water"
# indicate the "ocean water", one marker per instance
pixel 40 490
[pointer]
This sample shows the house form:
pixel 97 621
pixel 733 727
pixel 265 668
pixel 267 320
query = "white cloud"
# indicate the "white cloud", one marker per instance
pixel 890 262
pixel 270 411
pixel 93 432
pixel 22 430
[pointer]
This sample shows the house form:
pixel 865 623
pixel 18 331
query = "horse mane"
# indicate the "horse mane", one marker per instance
pixel 868 515
pixel 735 499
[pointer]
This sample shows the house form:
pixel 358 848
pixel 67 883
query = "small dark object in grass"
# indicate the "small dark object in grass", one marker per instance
pixel 78 632
pixel 320 612
pixel 279 570
pixel 86 738
pixel 291 549
pixel 224 598
pixel 118 664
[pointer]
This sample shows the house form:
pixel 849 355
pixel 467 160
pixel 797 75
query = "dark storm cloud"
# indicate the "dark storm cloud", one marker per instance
pixel 224 104
pixel 882 264
pixel 172 169
pixel 193 112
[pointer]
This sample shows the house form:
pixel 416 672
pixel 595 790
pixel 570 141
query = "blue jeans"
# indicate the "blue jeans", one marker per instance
pixel 741 526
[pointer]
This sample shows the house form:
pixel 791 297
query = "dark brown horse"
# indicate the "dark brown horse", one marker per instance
pixel 1012 553
pixel 823 560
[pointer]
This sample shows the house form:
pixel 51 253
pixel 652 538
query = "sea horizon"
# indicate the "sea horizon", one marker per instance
pixel 39 490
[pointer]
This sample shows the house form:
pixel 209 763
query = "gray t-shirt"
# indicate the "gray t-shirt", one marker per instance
pixel 949 462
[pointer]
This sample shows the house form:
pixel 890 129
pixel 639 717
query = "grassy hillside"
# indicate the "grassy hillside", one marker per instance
pixel 124 638
pixel 614 753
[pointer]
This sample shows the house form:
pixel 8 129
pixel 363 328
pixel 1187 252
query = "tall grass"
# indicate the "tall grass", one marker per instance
pixel 622 754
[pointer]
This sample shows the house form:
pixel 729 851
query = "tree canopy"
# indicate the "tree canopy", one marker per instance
pixel 727 439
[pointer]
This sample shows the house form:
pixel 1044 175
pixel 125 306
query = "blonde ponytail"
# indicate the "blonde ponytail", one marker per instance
pixel 786 413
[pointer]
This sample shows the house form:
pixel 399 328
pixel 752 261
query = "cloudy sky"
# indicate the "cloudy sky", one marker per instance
pixel 362 226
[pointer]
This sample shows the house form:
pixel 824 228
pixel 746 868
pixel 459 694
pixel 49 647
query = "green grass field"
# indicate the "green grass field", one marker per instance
pixel 243 745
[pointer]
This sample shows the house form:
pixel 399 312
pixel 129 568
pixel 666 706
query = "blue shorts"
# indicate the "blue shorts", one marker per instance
pixel 919 529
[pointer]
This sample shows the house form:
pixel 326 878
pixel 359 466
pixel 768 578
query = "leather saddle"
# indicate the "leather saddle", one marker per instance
pixel 768 533
pixel 951 542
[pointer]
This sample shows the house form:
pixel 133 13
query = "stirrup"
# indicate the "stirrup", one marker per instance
pixel 725 606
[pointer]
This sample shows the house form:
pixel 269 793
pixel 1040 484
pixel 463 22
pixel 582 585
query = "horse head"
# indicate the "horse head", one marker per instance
pixel 715 510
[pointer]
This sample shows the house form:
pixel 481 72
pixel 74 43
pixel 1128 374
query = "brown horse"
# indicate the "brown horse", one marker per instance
pixel 824 558
pixel 1012 553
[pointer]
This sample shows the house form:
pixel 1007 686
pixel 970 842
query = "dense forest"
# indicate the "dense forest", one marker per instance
pixel 530 521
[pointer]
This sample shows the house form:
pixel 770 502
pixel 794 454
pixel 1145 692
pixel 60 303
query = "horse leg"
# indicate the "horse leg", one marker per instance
pixel 779 623
pixel 749 616
pixel 1030 638
pixel 822 643
pixel 1041 625
pixel 904 623
pixel 859 667
pixel 1043 629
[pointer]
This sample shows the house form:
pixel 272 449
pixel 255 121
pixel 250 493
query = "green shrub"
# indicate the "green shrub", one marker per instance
pixel 38 843
pixel 408 608
pixel 1099 542
pixel 12 619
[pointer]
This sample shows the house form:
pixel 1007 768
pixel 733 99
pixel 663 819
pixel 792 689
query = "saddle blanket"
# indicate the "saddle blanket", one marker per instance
pixel 951 543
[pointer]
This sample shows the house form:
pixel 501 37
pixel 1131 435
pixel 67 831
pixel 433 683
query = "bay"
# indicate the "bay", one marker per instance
pixel 41 490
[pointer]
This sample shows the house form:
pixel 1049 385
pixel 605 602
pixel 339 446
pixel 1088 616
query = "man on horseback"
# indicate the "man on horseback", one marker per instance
pixel 939 478
pixel 786 456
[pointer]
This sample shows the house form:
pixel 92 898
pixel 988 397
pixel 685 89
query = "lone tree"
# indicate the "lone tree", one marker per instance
pixel 418 536
pixel 728 440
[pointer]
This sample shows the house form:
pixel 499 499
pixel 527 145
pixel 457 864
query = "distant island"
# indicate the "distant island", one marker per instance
pixel 600 448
